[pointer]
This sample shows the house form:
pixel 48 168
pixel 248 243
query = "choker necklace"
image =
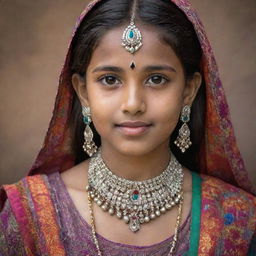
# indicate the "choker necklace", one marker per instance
pixel 136 202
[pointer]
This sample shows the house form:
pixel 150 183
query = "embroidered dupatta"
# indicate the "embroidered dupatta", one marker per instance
pixel 220 158
pixel 223 219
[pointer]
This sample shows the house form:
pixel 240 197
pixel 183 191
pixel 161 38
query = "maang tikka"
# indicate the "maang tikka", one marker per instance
pixel 89 145
pixel 183 140
pixel 132 39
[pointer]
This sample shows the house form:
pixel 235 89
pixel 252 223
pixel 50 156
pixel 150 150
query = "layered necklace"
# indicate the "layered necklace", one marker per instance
pixel 135 202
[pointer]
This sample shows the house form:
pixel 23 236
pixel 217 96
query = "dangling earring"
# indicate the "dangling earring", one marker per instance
pixel 183 140
pixel 89 146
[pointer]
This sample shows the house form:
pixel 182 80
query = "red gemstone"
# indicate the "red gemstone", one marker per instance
pixel 135 192
pixel 134 217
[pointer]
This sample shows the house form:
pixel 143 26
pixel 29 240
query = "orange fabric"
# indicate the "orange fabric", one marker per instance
pixel 46 215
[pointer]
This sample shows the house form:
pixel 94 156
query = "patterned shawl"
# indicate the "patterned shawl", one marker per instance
pixel 220 155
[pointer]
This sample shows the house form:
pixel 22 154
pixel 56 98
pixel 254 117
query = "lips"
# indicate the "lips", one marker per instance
pixel 133 128
pixel 133 124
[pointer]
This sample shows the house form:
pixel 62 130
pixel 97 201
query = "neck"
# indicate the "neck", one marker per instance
pixel 137 167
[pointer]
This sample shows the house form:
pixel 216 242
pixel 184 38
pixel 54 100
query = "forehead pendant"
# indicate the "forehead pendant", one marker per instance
pixel 132 39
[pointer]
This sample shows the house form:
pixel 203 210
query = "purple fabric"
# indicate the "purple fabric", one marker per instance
pixel 10 238
pixel 76 232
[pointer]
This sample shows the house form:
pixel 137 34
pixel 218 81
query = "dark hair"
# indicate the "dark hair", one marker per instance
pixel 174 28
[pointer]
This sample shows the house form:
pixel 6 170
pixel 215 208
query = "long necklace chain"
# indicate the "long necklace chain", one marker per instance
pixel 174 240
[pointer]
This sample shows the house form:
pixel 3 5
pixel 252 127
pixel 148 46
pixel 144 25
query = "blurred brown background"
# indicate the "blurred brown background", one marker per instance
pixel 33 42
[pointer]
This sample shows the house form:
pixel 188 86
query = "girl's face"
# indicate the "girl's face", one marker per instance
pixel 135 110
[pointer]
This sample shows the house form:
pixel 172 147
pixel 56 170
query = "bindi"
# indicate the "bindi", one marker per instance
pixel 132 66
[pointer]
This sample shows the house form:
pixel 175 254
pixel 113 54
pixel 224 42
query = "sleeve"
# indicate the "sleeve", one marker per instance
pixel 10 239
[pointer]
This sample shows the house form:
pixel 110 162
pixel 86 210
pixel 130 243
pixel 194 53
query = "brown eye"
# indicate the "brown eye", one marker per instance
pixel 157 80
pixel 110 80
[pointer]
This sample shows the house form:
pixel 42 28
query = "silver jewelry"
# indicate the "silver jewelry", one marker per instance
pixel 173 242
pixel 89 146
pixel 135 202
pixel 132 39
pixel 183 140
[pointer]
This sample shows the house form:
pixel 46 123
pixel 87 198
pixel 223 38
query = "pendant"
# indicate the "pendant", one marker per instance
pixel 132 39
pixel 134 224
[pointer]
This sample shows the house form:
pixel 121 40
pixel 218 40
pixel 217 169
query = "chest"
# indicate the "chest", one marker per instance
pixel 116 230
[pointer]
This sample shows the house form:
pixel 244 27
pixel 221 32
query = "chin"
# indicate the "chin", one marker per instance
pixel 135 149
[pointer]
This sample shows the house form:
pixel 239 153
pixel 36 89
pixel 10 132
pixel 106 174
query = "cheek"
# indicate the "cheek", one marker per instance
pixel 167 107
pixel 168 122
pixel 102 108
pixel 169 119
pixel 100 119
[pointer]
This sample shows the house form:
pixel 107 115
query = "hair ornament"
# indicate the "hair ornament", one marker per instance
pixel 132 39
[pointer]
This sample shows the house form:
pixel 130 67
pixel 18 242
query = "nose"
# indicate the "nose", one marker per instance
pixel 133 100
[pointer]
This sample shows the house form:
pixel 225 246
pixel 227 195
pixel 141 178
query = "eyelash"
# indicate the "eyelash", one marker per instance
pixel 101 79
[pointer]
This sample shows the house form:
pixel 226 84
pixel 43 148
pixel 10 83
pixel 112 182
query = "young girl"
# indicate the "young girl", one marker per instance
pixel 140 157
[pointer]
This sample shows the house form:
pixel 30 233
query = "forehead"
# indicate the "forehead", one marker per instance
pixel 153 50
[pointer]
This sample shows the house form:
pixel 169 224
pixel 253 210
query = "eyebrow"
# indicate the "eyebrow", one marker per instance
pixel 160 67
pixel 147 69
pixel 108 68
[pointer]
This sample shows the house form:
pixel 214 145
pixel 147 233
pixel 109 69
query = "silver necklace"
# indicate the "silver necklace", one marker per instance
pixel 173 242
pixel 136 202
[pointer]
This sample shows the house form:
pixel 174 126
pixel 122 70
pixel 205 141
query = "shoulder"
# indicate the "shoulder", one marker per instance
pixel 26 196
pixel 216 188
pixel 228 200
pixel 226 211
pixel 15 214
pixel 76 178
pixel 21 189
pixel 30 207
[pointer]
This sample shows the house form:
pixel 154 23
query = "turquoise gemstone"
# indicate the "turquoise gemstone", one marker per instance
pixel 135 197
pixel 86 120
pixel 185 118
pixel 131 34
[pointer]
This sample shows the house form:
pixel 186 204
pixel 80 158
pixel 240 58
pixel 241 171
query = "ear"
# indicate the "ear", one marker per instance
pixel 191 89
pixel 79 86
